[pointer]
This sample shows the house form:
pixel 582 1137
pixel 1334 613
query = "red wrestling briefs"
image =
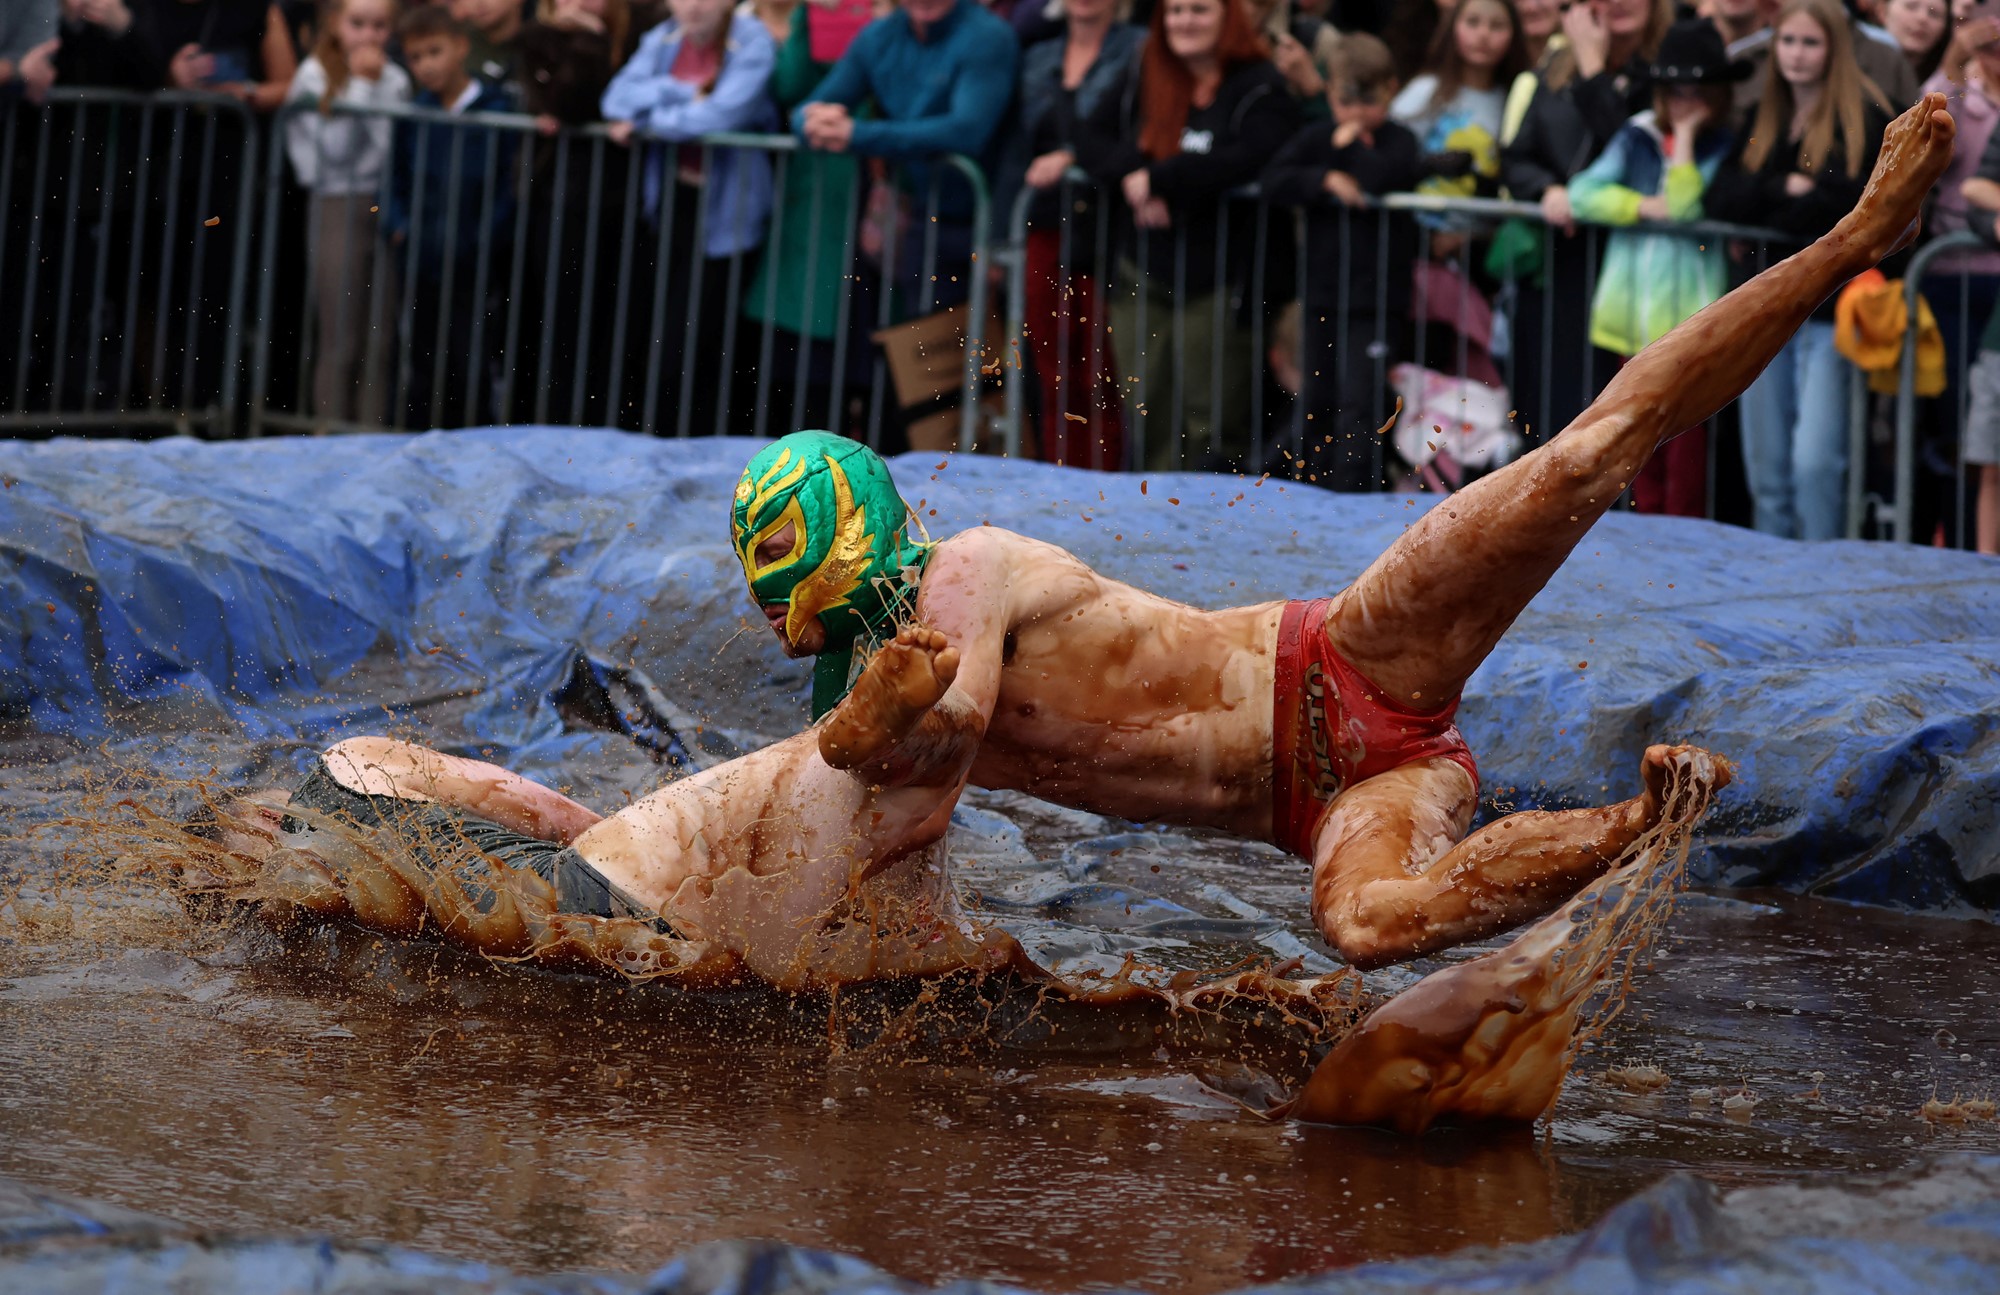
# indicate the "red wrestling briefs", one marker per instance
pixel 1331 728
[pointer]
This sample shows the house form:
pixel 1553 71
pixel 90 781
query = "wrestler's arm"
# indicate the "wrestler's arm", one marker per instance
pixel 1686 376
pixel 892 735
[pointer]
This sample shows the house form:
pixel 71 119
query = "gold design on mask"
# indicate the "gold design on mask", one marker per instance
pixel 840 573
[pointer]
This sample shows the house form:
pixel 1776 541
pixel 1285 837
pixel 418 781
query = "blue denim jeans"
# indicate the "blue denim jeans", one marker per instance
pixel 1795 438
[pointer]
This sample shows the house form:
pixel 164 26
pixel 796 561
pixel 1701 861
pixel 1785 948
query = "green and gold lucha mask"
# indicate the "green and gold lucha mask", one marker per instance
pixel 853 564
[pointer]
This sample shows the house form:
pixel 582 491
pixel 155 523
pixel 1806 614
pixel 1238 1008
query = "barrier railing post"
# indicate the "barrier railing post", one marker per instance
pixel 239 267
pixel 1857 450
pixel 1902 508
pixel 260 354
pixel 975 304
pixel 1017 317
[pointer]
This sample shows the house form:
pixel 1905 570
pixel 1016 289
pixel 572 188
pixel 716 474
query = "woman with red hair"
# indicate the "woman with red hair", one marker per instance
pixel 1199 116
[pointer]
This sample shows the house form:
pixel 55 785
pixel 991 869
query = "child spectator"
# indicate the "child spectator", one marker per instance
pixel 1062 83
pixel 1348 345
pixel 1800 168
pixel 437 215
pixel 340 161
pixel 703 70
pixel 1201 111
pixel 493 38
pixel 1454 107
pixel 1657 169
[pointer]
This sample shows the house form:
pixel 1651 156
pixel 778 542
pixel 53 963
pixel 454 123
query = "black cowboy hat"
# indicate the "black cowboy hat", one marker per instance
pixel 1692 53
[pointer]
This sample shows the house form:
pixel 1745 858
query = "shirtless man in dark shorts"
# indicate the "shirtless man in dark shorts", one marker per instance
pixel 1324 727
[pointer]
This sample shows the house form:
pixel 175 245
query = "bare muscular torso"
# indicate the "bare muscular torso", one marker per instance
pixel 1102 696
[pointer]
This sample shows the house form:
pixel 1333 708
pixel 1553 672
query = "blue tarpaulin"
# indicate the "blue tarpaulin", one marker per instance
pixel 1930 1231
pixel 476 584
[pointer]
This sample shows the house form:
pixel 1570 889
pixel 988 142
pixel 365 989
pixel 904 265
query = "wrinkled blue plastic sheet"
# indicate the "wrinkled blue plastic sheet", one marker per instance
pixel 1931 1232
pixel 263 584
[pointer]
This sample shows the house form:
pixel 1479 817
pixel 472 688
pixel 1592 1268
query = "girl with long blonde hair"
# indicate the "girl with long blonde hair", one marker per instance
pixel 1801 166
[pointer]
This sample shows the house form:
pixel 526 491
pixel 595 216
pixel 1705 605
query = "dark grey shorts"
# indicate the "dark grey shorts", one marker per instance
pixel 442 837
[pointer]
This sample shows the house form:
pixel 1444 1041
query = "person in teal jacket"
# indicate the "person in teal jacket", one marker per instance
pixel 1655 170
pixel 942 74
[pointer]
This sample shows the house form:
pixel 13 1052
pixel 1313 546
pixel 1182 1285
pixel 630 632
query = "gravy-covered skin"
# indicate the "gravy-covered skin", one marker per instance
pixel 1103 696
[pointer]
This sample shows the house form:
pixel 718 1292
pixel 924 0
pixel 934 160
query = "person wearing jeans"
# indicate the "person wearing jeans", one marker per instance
pixel 1797 460
pixel 1798 168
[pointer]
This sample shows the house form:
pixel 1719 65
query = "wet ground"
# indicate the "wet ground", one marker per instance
pixel 345 1084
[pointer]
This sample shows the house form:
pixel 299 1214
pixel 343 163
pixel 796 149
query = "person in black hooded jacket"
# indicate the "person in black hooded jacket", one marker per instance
pixel 1199 115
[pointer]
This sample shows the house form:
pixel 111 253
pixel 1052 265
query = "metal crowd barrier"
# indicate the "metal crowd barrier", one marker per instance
pixel 124 251
pixel 611 294
pixel 129 230
pixel 1903 507
pixel 1751 249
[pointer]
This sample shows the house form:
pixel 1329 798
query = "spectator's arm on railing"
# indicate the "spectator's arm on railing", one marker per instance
pixel 846 83
pixel 980 93
pixel 733 105
pixel 1265 123
pixel 638 87
pixel 1598 194
pixel 1296 177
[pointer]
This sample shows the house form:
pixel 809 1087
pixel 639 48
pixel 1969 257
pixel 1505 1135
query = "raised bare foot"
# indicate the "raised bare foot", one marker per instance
pixel 905 678
pixel 1915 151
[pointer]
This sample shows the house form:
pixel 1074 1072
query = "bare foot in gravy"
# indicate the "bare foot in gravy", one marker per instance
pixel 905 678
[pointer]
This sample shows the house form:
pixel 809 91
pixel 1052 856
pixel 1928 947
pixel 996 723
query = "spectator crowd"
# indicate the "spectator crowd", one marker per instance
pixel 1191 176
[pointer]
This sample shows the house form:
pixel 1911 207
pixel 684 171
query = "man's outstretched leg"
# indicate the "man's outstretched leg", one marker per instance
pixel 1420 620
pixel 384 766
pixel 1391 880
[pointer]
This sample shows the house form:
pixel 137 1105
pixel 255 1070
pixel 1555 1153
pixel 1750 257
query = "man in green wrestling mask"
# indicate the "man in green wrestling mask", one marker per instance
pixel 822 535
